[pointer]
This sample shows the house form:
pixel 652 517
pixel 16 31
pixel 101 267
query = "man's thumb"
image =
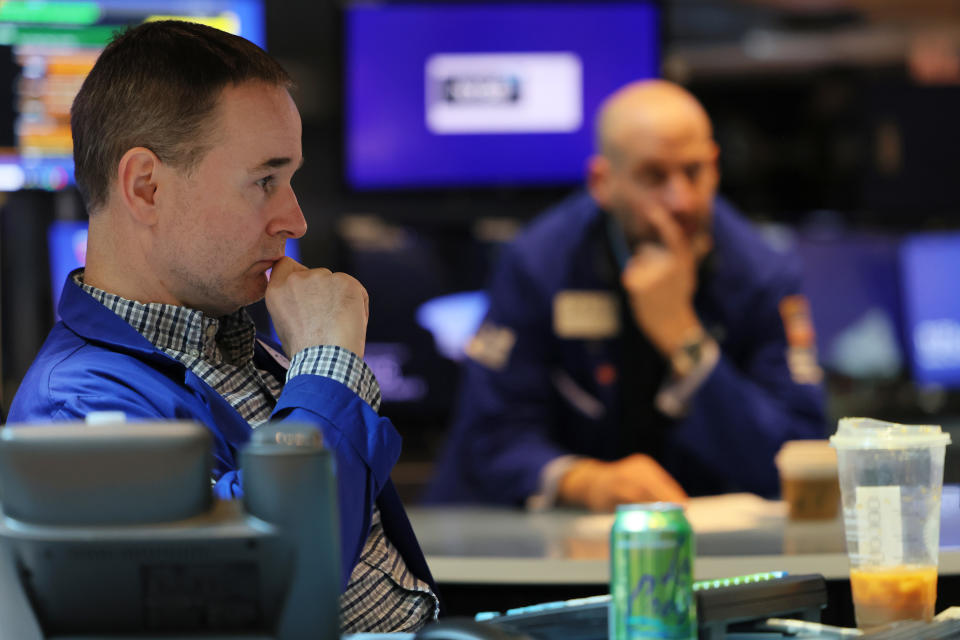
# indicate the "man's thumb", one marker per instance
pixel 283 268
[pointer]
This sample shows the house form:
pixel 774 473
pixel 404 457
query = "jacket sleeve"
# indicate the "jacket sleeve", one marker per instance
pixel 365 448
pixel 502 432
pixel 753 401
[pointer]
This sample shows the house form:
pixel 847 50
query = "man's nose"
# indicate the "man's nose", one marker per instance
pixel 678 193
pixel 288 218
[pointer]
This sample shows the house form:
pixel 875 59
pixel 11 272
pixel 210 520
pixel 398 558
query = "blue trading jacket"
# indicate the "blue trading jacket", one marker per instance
pixel 513 419
pixel 93 360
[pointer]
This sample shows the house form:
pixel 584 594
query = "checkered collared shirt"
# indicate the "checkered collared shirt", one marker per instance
pixel 382 595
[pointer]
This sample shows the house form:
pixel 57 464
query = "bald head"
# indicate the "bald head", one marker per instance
pixel 655 150
pixel 650 109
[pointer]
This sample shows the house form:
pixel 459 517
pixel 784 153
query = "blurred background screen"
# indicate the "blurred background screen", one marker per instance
pixel 929 263
pixel 46 51
pixel 503 92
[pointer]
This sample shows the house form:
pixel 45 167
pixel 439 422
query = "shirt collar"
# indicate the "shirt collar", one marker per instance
pixel 173 328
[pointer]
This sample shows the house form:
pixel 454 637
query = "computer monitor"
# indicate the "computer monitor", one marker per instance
pixel 931 306
pixel 851 280
pixel 110 531
pixel 485 93
pixel 55 44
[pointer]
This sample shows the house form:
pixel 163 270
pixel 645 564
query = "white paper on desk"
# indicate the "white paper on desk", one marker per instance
pixel 708 514
pixel 733 512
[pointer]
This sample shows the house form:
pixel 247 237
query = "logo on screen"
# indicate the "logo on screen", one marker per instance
pixel 503 93
pixel 481 90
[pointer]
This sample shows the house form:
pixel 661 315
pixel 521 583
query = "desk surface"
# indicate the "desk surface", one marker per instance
pixel 735 535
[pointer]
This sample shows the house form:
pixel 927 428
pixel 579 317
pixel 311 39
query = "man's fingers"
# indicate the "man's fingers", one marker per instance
pixel 282 268
pixel 650 478
pixel 667 228
pixel 667 489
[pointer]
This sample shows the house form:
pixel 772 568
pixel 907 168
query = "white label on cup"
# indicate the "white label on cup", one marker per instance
pixel 879 526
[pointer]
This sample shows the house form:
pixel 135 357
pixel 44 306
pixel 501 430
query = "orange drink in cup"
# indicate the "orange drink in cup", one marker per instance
pixel 883 594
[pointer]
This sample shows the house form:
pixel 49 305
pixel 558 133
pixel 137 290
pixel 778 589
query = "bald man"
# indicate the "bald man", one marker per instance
pixel 643 343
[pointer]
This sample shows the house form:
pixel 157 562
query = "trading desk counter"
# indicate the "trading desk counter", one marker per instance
pixel 490 549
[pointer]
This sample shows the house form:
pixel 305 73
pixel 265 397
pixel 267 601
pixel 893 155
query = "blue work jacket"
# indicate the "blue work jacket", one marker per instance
pixel 93 360
pixel 552 396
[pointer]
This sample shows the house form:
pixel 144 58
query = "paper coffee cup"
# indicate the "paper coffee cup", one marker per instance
pixel 808 479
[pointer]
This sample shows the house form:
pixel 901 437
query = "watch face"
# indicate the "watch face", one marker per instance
pixel 689 355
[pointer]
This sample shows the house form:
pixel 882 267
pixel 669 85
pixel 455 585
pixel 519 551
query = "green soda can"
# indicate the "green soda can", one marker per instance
pixel 651 574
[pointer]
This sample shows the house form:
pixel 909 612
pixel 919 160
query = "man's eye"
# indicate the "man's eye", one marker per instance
pixel 693 171
pixel 651 177
pixel 265 183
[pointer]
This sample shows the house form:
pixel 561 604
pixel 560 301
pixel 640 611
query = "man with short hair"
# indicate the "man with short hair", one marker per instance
pixel 185 141
pixel 643 342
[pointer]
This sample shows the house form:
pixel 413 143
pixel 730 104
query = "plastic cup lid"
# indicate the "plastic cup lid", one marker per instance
pixel 868 433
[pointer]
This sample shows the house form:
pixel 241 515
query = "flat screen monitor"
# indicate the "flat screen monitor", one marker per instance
pixel 453 95
pixel 851 280
pixel 928 264
pixel 54 45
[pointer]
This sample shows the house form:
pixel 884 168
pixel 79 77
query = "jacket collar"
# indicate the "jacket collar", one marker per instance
pixel 93 322
pixel 90 320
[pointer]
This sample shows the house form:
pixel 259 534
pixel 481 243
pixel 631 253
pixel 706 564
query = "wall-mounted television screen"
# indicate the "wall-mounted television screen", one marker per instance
pixel 453 95
pixel 931 306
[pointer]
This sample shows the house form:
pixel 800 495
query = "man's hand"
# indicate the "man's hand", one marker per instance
pixel 660 281
pixel 311 307
pixel 601 486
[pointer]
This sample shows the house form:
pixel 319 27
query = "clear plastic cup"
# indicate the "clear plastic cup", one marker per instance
pixel 891 478
pixel 808 479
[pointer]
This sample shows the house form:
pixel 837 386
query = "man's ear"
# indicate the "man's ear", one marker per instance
pixel 599 175
pixel 137 182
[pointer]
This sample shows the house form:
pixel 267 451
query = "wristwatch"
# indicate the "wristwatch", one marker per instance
pixel 689 354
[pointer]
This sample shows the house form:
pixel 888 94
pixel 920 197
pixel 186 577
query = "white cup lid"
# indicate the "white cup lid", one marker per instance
pixel 868 433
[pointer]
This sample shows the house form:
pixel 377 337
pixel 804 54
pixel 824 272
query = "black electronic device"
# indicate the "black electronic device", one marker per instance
pixel 795 596
pixel 720 605
pixel 109 532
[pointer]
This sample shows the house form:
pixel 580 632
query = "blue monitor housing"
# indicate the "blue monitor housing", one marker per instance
pixel 453 95
pixel 55 44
